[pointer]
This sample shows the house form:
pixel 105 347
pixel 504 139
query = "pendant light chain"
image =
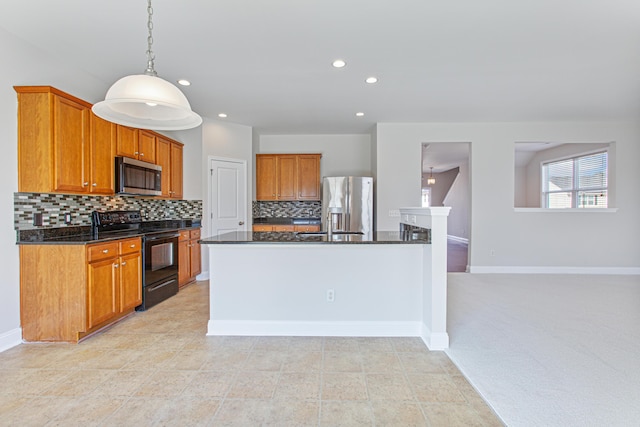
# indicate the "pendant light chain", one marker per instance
pixel 150 71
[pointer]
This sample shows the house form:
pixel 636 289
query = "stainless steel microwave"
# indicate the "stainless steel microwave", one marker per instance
pixel 136 177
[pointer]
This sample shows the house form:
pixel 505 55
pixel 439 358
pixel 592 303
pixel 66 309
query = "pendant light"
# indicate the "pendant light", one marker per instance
pixel 431 180
pixel 145 100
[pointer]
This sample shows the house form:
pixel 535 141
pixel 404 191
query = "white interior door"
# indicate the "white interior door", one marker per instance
pixel 228 195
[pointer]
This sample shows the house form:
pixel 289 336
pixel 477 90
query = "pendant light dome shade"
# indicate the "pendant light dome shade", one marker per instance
pixel 147 102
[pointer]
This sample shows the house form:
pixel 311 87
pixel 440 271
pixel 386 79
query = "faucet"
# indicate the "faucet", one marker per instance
pixel 329 224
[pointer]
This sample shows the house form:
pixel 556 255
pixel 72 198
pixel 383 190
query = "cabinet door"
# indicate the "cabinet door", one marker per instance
pixel 127 142
pixel 71 146
pixel 102 152
pixel 287 175
pixel 101 291
pixel 175 190
pixel 184 263
pixel 265 177
pixel 130 281
pixel 163 158
pixel 146 146
pixel 309 177
pixel 195 258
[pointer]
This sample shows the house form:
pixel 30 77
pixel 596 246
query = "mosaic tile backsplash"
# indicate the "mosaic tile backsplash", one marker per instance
pixel 297 209
pixel 53 207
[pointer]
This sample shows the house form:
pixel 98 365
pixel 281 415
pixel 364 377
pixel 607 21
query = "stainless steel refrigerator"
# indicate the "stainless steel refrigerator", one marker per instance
pixel 347 204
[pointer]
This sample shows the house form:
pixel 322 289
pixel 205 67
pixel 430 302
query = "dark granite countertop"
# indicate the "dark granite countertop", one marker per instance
pixel 287 221
pixel 82 235
pixel 380 237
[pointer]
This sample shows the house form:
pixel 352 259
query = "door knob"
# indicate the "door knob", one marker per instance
pixel 241 223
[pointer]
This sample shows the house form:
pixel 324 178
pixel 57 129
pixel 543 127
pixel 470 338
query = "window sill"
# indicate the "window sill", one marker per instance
pixel 572 210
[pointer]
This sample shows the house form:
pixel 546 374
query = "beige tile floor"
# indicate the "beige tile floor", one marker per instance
pixel 157 368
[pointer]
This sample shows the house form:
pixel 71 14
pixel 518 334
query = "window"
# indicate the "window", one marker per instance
pixel 577 182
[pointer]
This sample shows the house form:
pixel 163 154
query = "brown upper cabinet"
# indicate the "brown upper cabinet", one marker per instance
pixel 101 154
pixel 56 150
pixel 309 177
pixel 169 156
pixel 64 148
pixel 136 143
pixel 288 176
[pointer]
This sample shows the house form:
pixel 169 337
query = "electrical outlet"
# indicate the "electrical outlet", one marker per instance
pixel 37 218
pixel 67 218
pixel 492 252
pixel 331 295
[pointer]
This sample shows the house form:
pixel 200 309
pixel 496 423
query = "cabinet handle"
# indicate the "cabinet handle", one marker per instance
pixel 273 195
pixel 95 184
pixel 136 153
pixel 105 251
pixel 241 223
pixel 142 154
pixel 132 246
pixel 116 265
pixel 85 184
pixel 124 263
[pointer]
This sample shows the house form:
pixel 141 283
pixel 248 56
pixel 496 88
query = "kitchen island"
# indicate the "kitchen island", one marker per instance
pixel 305 284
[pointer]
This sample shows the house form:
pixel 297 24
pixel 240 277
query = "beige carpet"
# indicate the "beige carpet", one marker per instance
pixel 550 350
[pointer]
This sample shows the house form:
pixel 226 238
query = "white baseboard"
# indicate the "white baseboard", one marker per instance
pixel 457 239
pixel 555 270
pixel 10 339
pixel 310 329
pixel 203 276
pixel 434 341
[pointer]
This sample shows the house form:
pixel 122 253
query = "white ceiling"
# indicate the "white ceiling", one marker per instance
pixel 267 63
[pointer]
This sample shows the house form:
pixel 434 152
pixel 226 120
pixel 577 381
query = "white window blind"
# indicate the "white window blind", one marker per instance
pixel 577 182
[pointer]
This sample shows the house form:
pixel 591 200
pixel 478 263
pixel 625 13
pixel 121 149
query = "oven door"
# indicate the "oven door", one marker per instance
pixel 161 258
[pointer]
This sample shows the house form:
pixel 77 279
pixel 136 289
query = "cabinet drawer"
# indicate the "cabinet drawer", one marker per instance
pixel 195 234
pixel 283 228
pixel 130 245
pixel 262 227
pixel 102 251
pixel 184 235
pixel 307 228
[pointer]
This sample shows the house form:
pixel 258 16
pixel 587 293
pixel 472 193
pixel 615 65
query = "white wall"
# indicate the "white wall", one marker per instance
pixel 439 190
pixel 227 140
pixel 341 154
pixel 458 199
pixel 551 240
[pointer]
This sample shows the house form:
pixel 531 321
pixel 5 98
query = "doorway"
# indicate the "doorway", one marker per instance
pixel 446 181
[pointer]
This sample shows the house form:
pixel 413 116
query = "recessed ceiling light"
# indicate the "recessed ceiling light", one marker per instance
pixel 371 80
pixel 360 114
pixel 222 115
pixel 184 82
pixel 339 63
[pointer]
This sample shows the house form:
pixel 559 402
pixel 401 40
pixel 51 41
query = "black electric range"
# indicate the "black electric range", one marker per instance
pixel 159 250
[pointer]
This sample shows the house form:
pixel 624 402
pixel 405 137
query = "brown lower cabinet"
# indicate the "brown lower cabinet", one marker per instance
pixel 189 262
pixel 70 291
